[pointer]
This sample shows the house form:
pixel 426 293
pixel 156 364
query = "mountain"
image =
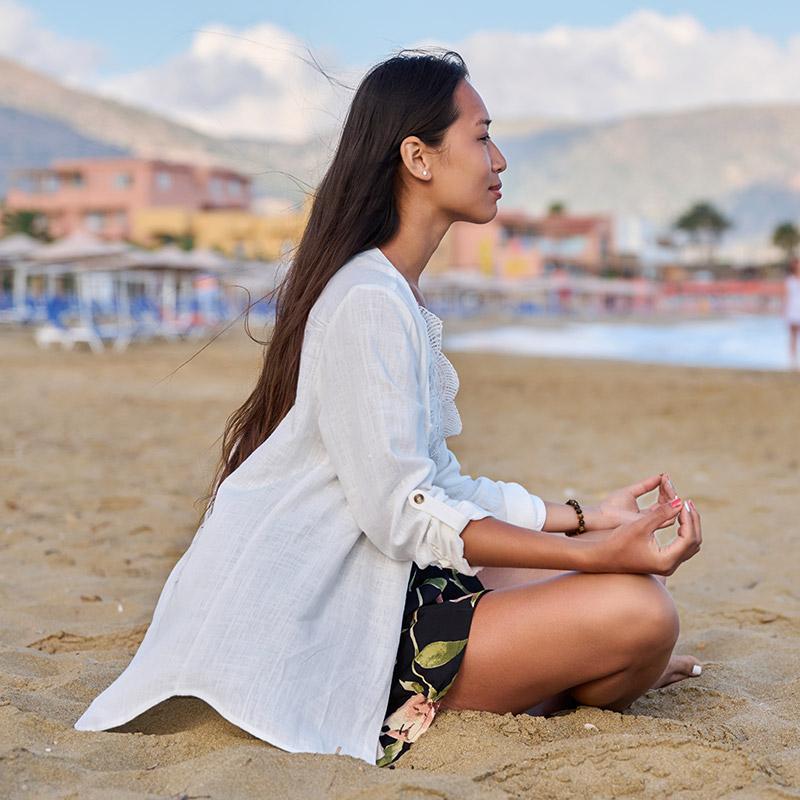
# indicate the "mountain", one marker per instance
pixel 30 139
pixel 78 113
pixel 745 159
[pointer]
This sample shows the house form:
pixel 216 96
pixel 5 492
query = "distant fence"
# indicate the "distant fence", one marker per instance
pixel 464 295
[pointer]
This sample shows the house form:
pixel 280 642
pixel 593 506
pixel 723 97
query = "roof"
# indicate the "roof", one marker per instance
pixel 554 225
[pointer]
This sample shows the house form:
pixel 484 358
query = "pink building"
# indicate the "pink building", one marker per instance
pixel 515 244
pixel 100 195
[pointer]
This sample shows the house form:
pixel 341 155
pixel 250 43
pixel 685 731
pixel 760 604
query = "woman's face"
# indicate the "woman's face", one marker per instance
pixel 466 167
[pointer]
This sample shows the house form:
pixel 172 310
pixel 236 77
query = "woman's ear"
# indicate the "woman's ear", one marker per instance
pixel 415 157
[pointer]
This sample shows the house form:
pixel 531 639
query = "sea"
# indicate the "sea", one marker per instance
pixel 738 342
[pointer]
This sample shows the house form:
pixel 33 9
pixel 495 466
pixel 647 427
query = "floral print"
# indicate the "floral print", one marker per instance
pixel 436 620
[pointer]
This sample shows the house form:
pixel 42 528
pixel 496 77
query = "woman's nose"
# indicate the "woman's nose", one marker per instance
pixel 499 163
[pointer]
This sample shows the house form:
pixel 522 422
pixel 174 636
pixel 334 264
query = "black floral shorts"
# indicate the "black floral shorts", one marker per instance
pixel 436 621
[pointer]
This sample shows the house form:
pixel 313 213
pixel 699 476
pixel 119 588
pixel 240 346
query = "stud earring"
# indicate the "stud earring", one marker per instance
pixel 424 172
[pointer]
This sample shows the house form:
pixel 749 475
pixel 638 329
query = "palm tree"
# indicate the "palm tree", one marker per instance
pixel 786 237
pixel 29 222
pixel 704 224
pixel 184 240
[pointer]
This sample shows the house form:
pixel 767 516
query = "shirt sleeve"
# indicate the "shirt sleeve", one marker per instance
pixel 505 500
pixel 372 420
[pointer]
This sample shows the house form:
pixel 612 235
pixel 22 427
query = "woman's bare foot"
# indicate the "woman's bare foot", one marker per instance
pixel 679 668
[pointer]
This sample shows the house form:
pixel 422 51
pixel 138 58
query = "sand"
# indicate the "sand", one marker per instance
pixel 102 462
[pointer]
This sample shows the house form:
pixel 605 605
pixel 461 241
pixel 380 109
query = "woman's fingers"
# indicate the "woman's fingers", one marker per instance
pixel 659 515
pixel 667 490
pixel 647 485
pixel 696 519
pixel 662 481
pixel 687 530
pixel 685 544
pixel 671 486
pixel 671 520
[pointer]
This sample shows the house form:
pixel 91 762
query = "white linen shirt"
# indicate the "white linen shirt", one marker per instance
pixel 284 613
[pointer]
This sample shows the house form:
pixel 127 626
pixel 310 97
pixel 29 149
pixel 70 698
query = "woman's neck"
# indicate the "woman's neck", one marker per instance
pixel 413 282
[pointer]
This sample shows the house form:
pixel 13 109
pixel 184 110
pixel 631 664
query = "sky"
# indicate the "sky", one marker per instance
pixel 363 31
pixel 241 67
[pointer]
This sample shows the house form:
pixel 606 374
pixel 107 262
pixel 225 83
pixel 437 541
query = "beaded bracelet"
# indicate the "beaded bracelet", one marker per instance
pixel 581 523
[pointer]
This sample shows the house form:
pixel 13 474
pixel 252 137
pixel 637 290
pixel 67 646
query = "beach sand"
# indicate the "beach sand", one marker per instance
pixel 101 464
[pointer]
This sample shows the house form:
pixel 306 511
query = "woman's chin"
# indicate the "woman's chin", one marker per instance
pixel 487 214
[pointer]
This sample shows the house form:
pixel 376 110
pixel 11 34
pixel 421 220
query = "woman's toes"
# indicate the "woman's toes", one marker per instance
pixel 679 667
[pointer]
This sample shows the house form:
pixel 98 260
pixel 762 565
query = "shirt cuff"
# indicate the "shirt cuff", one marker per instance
pixel 523 508
pixel 446 547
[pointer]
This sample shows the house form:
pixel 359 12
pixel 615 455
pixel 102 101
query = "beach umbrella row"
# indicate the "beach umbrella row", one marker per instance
pixel 113 290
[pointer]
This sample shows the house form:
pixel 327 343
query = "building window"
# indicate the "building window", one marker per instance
pixel 234 187
pixel 163 181
pixel 94 221
pixel 50 183
pixel 123 180
pixel 25 183
pixel 216 188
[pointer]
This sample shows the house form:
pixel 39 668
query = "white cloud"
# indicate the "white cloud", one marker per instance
pixel 25 40
pixel 253 82
pixel 644 62
pixel 257 82
pixel 260 82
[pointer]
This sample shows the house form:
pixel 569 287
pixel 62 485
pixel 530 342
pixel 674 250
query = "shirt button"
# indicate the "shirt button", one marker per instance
pixel 419 498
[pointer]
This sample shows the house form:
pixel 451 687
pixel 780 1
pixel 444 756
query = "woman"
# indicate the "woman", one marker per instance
pixel 326 600
pixel 791 309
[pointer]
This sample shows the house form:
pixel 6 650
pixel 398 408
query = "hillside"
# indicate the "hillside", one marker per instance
pixel 31 139
pixel 746 159
pixel 135 130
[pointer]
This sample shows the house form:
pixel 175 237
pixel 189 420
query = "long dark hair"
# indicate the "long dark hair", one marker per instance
pixel 354 209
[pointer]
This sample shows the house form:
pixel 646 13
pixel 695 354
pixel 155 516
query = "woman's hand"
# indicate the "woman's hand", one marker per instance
pixel 632 546
pixel 622 506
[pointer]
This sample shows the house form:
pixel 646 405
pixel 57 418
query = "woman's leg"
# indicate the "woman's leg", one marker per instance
pixel 600 640
pixel 794 332
pixel 678 668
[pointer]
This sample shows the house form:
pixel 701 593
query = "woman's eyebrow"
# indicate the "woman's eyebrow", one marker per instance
pixel 486 122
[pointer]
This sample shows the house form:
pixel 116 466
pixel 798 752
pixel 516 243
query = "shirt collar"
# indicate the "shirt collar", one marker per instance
pixel 378 258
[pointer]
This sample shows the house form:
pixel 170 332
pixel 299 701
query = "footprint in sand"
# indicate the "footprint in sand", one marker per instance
pixel 64 642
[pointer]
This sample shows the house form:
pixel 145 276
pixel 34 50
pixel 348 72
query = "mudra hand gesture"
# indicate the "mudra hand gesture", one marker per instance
pixel 631 546
pixel 622 505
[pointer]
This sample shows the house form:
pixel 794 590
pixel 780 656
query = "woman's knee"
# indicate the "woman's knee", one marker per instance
pixel 642 612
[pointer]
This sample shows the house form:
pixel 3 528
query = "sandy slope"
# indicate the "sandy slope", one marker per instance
pixel 101 463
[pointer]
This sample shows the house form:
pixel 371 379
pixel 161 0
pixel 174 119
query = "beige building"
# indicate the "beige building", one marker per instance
pixel 103 195
pixel 151 201
pixel 517 245
pixel 235 233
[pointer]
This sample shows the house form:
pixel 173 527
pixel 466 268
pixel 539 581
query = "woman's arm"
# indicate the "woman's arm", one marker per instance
pixel 493 543
pixel 505 500
pixel 561 517
pixel 512 502
pixel 629 548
